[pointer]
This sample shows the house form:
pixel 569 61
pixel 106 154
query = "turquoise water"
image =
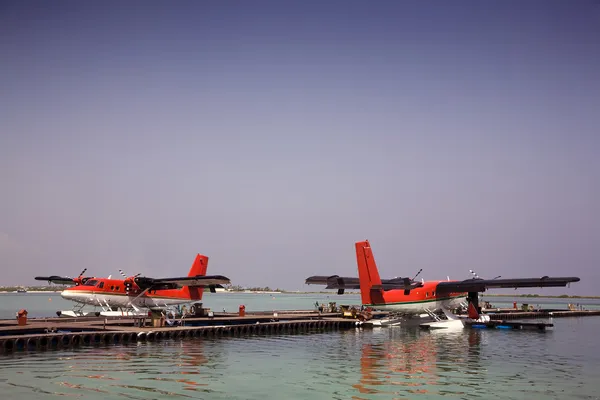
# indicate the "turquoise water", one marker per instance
pixel 383 363
pixel 390 363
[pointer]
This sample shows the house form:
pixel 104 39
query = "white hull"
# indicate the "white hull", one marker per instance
pixel 419 307
pixel 76 313
pixel 128 313
pixel 120 301
pixel 103 313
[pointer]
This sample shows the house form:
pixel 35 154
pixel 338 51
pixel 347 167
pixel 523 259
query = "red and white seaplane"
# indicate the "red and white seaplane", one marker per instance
pixel 135 295
pixel 408 297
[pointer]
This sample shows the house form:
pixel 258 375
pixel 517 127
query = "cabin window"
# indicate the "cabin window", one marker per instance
pixel 112 287
pixel 427 294
pixel 117 288
pixel 433 293
pixel 101 285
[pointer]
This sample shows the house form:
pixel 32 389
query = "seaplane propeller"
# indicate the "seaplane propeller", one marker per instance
pixel 129 281
pixel 475 276
pixel 408 284
pixel 418 273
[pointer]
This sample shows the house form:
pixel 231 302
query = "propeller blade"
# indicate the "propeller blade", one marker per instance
pixel 415 277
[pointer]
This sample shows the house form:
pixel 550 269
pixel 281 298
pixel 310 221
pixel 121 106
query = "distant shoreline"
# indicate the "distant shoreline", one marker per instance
pixel 29 291
pixel 562 296
pixel 37 291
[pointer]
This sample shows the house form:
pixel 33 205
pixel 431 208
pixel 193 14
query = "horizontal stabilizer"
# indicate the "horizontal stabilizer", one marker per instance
pixel 480 285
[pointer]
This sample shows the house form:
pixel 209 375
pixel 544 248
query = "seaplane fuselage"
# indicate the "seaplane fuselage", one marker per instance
pixel 415 301
pixel 113 293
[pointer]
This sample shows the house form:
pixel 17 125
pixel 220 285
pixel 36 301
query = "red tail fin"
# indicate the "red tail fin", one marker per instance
pixel 472 311
pixel 198 268
pixel 371 291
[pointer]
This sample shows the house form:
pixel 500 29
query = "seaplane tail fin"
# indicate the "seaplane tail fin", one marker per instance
pixel 198 269
pixel 371 290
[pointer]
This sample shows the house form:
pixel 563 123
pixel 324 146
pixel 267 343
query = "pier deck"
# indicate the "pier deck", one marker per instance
pixel 495 324
pixel 56 333
pixel 510 315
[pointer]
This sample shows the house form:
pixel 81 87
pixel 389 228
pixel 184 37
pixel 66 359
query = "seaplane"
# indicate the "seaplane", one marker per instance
pixel 137 295
pixel 406 297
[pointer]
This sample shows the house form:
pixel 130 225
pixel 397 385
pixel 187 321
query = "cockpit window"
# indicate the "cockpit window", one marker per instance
pixel 90 283
pixel 101 285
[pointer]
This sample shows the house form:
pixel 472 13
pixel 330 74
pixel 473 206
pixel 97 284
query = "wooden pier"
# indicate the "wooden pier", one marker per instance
pixel 496 324
pixel 511 315
pixel 63 333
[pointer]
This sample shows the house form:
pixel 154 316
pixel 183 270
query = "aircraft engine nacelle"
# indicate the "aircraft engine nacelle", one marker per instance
pixel 143 283
pixel 130 285
pixel 81 280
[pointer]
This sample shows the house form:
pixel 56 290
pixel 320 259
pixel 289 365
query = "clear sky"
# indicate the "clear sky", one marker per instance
pixel 271 136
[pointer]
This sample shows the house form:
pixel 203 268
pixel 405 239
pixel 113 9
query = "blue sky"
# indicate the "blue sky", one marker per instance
pixel 271 136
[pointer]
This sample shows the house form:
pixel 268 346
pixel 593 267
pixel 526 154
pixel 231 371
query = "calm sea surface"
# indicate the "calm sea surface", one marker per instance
pixel 383 363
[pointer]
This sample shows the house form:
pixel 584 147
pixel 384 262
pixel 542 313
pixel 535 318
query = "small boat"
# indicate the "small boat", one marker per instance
pixel 443 324
pixel 390 320
pixel 387 322
pixel 452 321
pixel 21 291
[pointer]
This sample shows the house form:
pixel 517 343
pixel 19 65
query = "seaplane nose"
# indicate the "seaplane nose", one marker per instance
pixel 68 294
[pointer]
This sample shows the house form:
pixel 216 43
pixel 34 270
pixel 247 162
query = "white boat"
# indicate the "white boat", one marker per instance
pixel 443 324
pixel 452 321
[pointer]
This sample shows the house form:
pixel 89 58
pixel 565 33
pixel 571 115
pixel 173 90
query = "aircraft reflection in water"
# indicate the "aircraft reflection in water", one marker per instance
pixel 187 358
pixel 139 369
pixel 413 362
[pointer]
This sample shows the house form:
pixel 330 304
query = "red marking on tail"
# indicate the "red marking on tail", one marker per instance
pixel 198 268
pixel 371 291
pixel 472 311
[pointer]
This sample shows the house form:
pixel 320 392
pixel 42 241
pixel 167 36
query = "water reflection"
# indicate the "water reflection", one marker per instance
pixel 140 368
pixel 381 363
pixel 185 357
pixel 411 362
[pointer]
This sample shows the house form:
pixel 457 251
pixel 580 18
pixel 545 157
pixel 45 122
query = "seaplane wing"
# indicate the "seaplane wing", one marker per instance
pixel 480 285
pixel 334 281
pixel 65 280
pixel 344 282
pixel 59 280
pixel 175 283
